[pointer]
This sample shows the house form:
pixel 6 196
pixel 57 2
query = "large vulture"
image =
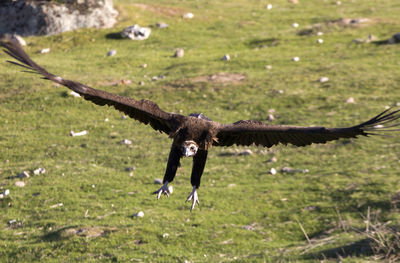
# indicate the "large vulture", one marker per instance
pixel 194 135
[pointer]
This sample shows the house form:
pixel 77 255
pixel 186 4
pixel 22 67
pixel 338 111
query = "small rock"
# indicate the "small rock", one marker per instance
pixel 226 57
pixel 74 94
pixel 158 181
pixel 124 117
pixel 271 111
pixel 268 67
pixel 319 33
pixel 74 134
pixel 295 25
pixel 246 152
pixel 270 117
pixel 292 170
pixel 106 120
pixel 161 76
pixel 6 192
pixel 11 222
pixel 57 205
pixel 162 25
pixel 19 183
pixel 154 78
pixel 111 53
pixel 141 83
pixel 231 185
pixel 350 100
pixel 130 169
pixel 323 79
pixel 20 40
pixel 179 53
pixel 188 16
pixel 294 1
pixel 136 32
pixel 296 59
pixel 45 50
pixel 165 235
pixel 320 41
pixel 338 2
pixel 272 160
pixel 39 171
pixel 269 6
pixel 139 214
pixel 24 174
pixel 272 171
pixel 126 141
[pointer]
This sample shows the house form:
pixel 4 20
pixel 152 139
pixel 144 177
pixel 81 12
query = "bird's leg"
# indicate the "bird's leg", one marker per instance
pixel 194 197
pixel 173 163
pixel 199 162
pixel 163 190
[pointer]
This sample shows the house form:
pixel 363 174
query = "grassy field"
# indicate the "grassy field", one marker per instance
pixel 346 208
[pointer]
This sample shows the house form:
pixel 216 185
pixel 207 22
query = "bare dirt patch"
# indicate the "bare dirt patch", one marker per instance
pixel 221 78
pixel 162 10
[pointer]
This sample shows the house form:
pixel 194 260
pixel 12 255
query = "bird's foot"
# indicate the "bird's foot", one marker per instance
pixel 163 190
pixel 194 197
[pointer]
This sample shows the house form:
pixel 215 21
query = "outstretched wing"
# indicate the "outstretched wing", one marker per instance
pixel 258 133
pixel 144 111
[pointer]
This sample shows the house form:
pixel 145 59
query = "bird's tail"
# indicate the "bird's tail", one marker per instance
pixel 387 121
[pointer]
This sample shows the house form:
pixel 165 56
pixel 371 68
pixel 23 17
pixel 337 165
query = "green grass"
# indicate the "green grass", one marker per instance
pixel 88 174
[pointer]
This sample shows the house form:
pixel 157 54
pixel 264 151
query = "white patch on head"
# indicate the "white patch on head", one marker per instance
pixel 189 148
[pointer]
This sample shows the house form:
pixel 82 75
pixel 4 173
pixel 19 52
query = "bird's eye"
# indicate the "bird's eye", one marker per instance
pixel 192 148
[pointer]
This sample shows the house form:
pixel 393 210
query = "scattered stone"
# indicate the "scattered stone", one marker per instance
pixel 320 41
pixel 369 39
pixel 20 40
pixel 161 76
pixel 395 39
pixel 130 169
pixel 295 25
pixel 292 170
pixel 20 183
pixel 188 15
pixel 270 117
pixel 6 192
pixel 143 65
pixel 154 78
pixel 165 235
pixel 74 134
pixel 245 152
pixel 226 57
pixel 295 59
pixel 141 83
pixel 24 174
pixel 311 208
pixel 139 214
pixel 338 2
pixel 179 53
pixel 39 171
pixel 136 32
pixel 124 117
pixel 231 185
pixel 57 205
pixel 45 50
pixel 126 142
pixel 249 227
pixel 111 53
pixel 272 160
pixel 323 79
pixel 319 33
pixel 269 6
pixel 158 181
pixel 272 171
pixel 162 25
pixel 74 94
pixel 268 67
pixel 294 1
pixel 106 120
pixel 11 222
pixel 350 100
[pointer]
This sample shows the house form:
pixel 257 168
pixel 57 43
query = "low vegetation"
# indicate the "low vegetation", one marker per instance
pixel 81 209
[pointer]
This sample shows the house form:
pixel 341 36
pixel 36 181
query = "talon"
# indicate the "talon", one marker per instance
pixel 163 190
pixel 194 197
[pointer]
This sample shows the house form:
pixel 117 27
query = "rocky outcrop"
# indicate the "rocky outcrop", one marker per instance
pixel 33 17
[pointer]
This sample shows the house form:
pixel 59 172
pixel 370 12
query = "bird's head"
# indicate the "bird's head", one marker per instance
pixel 189 148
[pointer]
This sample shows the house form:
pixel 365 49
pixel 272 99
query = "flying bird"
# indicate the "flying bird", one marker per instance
pixel 194 135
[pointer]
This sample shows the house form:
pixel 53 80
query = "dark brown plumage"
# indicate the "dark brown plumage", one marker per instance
pixel 193 135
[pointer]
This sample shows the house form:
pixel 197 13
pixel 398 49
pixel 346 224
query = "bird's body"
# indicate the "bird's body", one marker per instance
pixel 194 135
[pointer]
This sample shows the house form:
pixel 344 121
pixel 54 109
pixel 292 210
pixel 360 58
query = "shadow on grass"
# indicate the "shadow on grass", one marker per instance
pixel 359 248
pixel 116 36
pixel 58 235
pixel 261 43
